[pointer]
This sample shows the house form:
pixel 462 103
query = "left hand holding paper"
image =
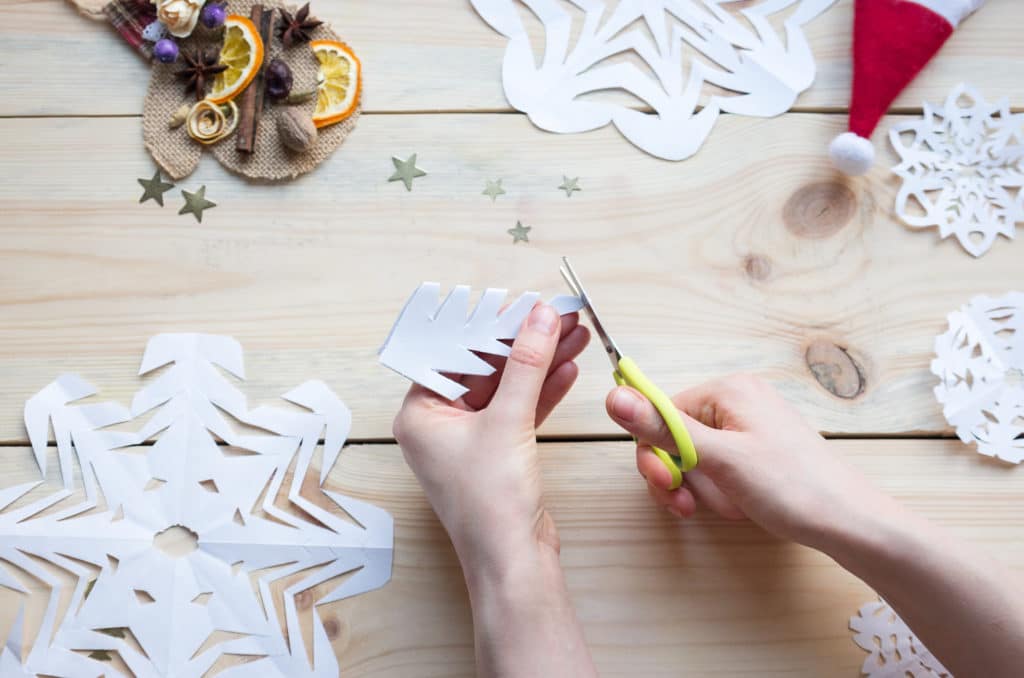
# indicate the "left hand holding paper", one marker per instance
pixel 476 457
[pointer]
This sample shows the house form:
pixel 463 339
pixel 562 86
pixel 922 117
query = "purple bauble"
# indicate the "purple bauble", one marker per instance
pixel 166 51
pixel 213 14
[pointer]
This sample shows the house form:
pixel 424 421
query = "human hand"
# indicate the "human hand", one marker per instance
pixel 757 459
pixel 476 458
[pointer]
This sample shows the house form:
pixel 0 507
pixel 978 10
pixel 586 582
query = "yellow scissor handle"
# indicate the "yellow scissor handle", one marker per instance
pixel 629 374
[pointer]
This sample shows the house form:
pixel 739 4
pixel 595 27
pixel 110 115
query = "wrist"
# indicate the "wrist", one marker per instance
pixel 526 578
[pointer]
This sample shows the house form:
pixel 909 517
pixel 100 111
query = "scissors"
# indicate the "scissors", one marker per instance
pixel 627 373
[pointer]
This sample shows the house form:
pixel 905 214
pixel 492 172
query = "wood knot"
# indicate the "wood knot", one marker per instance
pixel 758 267
pixel 332 627
pixel 835 369
pixel 819 210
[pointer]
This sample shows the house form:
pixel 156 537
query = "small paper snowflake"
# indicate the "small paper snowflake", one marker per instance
pixel 980 364
pixel 895 652
pixel 962 167
pixel 227 495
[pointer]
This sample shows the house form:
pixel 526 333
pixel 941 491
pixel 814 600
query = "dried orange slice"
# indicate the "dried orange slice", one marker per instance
pixel 242 53
pixel 338 82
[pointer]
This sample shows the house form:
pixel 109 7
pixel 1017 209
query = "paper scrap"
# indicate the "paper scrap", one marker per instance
pixel 894 650
pixel 962 166
pixel 432 336
pixel 980 365
pixel 171 605
pixel 739 51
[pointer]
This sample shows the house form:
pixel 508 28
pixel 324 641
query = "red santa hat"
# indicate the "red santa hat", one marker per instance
pixel 892 42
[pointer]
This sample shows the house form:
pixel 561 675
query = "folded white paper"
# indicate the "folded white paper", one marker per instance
pixel 962 166
pixel 894 650
pixel 980 365
pixel 431 336
pixel 736 50
pixel 171 605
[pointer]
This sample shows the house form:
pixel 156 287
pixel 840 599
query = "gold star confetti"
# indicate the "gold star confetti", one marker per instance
pixel 406 171
pixel 195 203
pixel 569 185
pixel 520 232
pixel 494 189
pixel 154 188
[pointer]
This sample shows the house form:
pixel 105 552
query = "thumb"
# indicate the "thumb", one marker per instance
pixel 528 364
pixel 632 411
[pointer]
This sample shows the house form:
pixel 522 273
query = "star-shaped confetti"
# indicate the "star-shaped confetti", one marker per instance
pixel 154 188
pixel 494 189
pixel 520 232
pixel 569 185
pixel 195 203
pixel 406 171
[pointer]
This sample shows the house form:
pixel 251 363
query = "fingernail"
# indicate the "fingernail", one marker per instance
pixel 674 511
pixel 543 318
pixel 625 404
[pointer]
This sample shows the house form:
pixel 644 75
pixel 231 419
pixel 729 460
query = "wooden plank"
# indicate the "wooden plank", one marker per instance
pixel 436 55
pixel 721 598
pixel 738 262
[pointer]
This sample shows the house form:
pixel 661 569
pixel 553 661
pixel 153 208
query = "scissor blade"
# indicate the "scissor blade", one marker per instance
pixel 573 281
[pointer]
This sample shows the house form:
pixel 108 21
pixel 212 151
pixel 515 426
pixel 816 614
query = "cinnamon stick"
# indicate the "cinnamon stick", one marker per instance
pixel 252 97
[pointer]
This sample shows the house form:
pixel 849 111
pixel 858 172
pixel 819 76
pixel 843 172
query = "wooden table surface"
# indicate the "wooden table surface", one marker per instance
pixel 767 261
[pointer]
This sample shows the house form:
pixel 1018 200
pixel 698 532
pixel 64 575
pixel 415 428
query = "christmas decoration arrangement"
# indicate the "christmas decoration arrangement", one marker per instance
pixel 892 41
pixel 186 479
pixel 893 649
pixel 432 336
pixel 979 361
pixel 269 89
pixel 747 66
pixel 962 166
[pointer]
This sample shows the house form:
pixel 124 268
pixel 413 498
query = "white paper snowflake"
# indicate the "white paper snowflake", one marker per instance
pixel 680 45
pixel 962 166
pixel 431 337
pixel 171 605
pixel 980 364
pixel 894 650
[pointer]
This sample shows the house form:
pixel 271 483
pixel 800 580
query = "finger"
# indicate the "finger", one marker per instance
pixel 528 364
pixel 482 387
pixel 632 411
pixel 708 493
pixel 652 468
pixel 556 386
pixel 680 503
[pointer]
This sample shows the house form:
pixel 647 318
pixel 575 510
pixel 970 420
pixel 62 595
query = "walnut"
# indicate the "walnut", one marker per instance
pixel 296 129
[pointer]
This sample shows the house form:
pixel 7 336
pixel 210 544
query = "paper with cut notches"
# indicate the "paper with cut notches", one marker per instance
pixel 980 365
pixel 752 68
pixel 430 336
pixel 172 605
pixel 894 651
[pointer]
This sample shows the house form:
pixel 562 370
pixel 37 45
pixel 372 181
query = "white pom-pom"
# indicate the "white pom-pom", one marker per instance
pixel 852 154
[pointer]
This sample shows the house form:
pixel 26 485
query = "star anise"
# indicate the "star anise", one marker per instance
pixel 296 30
pixel 202 65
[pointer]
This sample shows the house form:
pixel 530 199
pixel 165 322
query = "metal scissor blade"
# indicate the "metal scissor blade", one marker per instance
pixel 573 281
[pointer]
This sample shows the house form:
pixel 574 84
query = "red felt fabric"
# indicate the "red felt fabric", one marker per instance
pixel 892 42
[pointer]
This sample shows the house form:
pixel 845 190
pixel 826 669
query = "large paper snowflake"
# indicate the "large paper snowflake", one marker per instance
pixel 680 46
pixel 980 365
pixel 962 166
pixel 894 650
pixel 225 494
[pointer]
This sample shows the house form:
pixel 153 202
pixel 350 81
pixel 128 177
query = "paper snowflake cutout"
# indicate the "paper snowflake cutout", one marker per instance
pixel 894 650
pixel 172 605
pixel 751 69
pixel 980 364
pixel 962 166
pixel 431 337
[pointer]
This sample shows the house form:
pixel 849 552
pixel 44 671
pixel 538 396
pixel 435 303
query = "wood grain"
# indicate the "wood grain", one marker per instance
pixel 720 598
pixel 437 55
pixel 744 260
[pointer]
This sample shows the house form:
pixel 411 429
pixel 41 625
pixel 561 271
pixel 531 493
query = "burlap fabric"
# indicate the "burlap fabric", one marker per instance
pixel 178 154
